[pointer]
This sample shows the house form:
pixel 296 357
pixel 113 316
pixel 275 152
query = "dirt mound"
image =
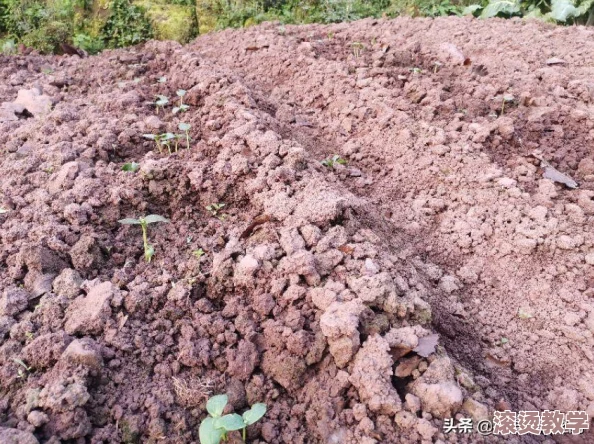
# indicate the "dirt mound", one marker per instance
pixel 321 286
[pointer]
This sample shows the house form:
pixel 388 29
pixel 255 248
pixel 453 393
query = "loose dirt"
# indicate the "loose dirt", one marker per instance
pixel 322 287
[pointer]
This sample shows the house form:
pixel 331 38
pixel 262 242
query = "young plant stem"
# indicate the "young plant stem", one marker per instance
pixel 144 225
pixel 244 434
pixel 187 140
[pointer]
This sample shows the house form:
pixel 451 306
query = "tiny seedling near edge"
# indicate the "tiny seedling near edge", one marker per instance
pixel 149 250
pixel 215 427
pixel 185 127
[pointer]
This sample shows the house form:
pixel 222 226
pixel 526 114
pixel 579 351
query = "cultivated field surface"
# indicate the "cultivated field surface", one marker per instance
pixel 370 227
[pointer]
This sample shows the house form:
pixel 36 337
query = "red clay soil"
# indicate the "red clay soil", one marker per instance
pixel 321 286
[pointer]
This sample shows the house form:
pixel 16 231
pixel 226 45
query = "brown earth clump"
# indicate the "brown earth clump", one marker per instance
pixel 321 285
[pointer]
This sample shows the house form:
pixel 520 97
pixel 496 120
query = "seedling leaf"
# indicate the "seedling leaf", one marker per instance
pixel 208 434
pixel 216 405
pixel 229 422
pixel 181 92
pixel 2 210
pixel 557 176
pixel 162 79
pixel 150 136
pixel 254 414
pixel 132 167
pixel 184 126
pixel 152 218
pixel 426 345
pixel 129 221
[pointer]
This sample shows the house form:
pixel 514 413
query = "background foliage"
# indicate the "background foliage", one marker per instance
pixel 97 24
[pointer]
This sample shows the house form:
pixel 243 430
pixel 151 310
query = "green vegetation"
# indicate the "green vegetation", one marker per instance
pixel 216 426
pixel 560 11
pixel 161 102
pixel 185 127
pixel 22 374
pixel 215 209
pixel 131 167
pixel 336 159
pixel 198 253
pixel 93 25
pixel 149 250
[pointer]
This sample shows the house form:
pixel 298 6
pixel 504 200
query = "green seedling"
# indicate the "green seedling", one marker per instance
pixel 161 102
pixel 506 98
pixel 149 250
pixel 22 374
pixel 415 70
pixel 182 108
pixel 165 140
pixel 185 127
pixel 214 209
pixel 436 67
pixel 156 138
pixel 3 211
pixel 215 427
pixel 358 48
pixel 181 93
pixel 131 167
pixel 9 48
pixel 29 335
pixel 198 253
pixel 162 80
pixel 524 314
pixel 329 163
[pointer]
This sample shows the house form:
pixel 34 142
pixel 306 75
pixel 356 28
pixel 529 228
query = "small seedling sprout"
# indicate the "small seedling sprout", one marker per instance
pixel 2 210
pixel 131 167
pixel 156 138
pixel 336 159
pixel 166 139
pixel 21 374
pixel 161 102
pixel 358 48
pixel 198 253
pixel 181 93
pixel 507 98
pixel 182 108
pixel 214 210
pixel 185 127
pixel 149 250
pixel 215 427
